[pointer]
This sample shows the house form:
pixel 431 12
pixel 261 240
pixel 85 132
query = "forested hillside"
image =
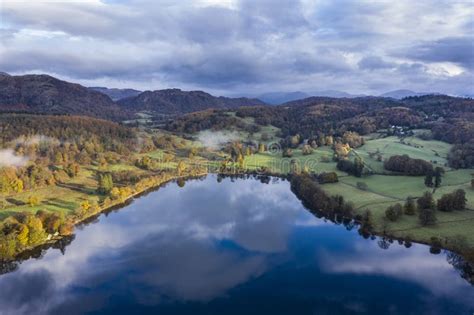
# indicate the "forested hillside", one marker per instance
pixel 47 95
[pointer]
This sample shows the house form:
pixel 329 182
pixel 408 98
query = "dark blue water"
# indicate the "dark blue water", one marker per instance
pixel 239 247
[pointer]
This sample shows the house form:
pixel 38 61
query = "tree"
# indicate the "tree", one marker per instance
pixel 33 200
pixel 85 205
pixel 409 206
pixel 287 153
pixel 342 150
pixel 429 180
pixel 358 167
pixel 426 201
pixel 105 183
pixel 181 168
pixel 23 233
pixel 328 177
pixel 72 169
pixel 294 167
pixel 7 246
pixel 438 172
pixel 427 216
pixel 452 201
pixel 329 140
pixel 115 193
pixel 36 231
pixel 192 153
pixel 394 212
pixel 248 151
pixel 17 185
pixel 307 150
pixel 240 161
pixel 460 199
pixel 367 221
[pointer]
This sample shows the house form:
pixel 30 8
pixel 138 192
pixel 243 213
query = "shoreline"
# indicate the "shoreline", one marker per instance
pixel 48 243
pixel 29 252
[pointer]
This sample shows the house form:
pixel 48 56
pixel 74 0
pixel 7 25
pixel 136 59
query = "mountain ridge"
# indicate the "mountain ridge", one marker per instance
pixel 174 101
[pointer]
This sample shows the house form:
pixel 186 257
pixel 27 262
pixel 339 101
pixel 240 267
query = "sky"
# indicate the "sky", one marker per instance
pixel 244 47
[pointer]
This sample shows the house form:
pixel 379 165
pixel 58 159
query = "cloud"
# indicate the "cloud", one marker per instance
pixel 8 158
pixel 458 50
pixel 374 63
pixel 243 46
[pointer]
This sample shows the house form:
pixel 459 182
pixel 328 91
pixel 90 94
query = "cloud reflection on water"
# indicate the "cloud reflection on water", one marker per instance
pixel 198 243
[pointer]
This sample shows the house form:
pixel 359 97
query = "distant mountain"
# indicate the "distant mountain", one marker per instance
pixel 176 101
pixel 399 94
pixel 336 94
pixel 47 95
pixel 116 94
pixel 276 98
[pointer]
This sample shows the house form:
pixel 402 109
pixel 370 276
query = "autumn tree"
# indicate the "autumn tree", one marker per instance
pixel 72 169
pixel 240 161
pixel 181 168
pixel 33 200
pixel 307 150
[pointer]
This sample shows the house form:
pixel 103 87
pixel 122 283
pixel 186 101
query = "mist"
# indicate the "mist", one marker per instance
pixel 216 139
pixel 8 158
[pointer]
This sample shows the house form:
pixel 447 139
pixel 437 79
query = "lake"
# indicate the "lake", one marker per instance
pixel 235 247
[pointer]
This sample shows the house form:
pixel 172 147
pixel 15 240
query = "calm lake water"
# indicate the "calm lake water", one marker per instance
pixel 235 247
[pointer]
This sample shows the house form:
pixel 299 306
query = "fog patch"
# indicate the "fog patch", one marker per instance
pixel 35 140
pixel 8 158
pixel 216 139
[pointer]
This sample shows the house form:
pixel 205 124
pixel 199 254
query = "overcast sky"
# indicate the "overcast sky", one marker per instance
pixel 231 47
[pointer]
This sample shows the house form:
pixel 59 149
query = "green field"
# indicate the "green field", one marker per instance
pixel 431 151
pixel 278 164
